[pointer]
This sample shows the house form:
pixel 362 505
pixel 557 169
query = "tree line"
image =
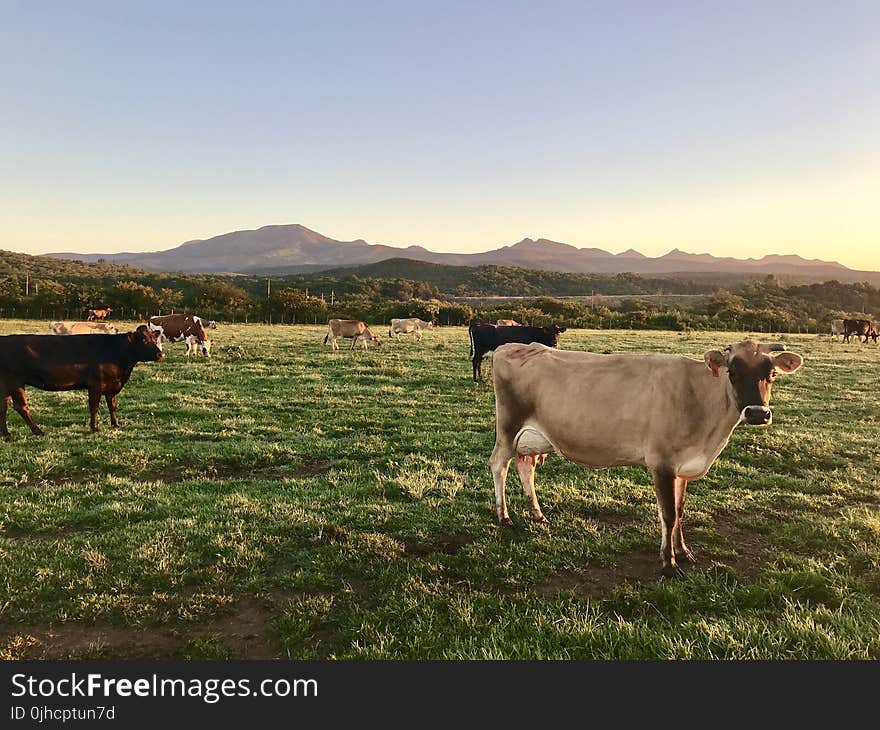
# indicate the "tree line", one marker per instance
pixel 43 288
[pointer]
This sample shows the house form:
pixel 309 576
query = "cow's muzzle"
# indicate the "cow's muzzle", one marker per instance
pixel 756 416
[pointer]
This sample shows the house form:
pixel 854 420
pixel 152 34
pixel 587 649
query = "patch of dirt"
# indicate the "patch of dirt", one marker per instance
pixel 14 532
pixel 612 519
pixel 245 630
pixel 751 546
pixel 449 544
pixel 598 580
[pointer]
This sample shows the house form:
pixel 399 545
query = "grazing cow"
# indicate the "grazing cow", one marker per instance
pixel 671 414
pixel 411 325
pixel 98 314
pixel 507 323
pixel 194 346
pixel 178 327
pixel 82 328
pixel 352 329
pixel 860 328
pixel 836 328
pixel 101 364
pixel 486 337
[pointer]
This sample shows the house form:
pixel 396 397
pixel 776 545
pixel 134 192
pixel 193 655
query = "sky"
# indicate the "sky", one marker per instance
pixel 737 129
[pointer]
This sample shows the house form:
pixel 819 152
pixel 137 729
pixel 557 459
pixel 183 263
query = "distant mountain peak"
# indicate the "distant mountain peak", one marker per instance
pixel 631 253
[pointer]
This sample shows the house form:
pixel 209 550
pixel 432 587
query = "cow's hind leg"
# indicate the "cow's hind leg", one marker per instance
pixel 4 407
pixel 500 463
pixel 111 406
pixel 681 550
pixel 525 465
pixel 664 487
pixel 19 402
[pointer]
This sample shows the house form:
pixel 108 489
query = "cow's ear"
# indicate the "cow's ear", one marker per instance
pixel 787 362
pixel 715 359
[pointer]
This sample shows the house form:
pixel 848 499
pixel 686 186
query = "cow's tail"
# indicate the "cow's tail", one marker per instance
pixel 471 337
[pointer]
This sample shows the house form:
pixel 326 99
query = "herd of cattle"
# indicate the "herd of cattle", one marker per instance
pixel 858 327
pixel 671 414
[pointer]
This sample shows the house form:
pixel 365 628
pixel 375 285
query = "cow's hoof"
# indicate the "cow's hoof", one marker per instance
pixel 673 572
pixel 540 519
pixel 685 555
pixel 505 522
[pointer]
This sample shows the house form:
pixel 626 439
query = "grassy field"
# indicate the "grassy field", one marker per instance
pixel 280 500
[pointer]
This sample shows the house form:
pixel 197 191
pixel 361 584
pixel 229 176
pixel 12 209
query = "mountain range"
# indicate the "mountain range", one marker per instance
pixel 293 249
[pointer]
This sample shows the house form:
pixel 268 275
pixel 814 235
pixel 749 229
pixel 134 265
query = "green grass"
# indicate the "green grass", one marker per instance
pixel 283 500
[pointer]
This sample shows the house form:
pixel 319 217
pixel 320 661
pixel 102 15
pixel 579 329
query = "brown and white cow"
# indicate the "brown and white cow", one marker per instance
pixel 82 328
pixel 352 329
pixel 179 327
pixel 507 323
pixel 409 325
pixel 98 314
pixel 671 414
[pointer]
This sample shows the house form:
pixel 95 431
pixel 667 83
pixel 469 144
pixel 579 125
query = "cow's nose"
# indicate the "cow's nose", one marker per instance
pixel 757 415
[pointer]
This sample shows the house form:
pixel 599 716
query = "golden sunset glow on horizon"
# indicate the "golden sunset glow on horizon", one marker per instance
pixel 726 134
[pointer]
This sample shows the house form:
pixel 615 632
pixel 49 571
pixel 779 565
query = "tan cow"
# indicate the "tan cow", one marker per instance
pixel 98 314
pixel 352 329
pixel 507 323
pixel 82 328
pixel 410 325
pixel 179 328
pixel 671 414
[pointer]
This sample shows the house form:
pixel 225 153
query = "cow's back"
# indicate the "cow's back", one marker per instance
pixel 24 354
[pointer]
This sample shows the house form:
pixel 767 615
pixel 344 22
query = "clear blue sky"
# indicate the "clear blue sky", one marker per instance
pixel 734 128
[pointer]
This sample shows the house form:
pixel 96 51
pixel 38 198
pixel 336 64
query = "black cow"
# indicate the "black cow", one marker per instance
pixel 486 337
pixel 860 328
pixel 101 364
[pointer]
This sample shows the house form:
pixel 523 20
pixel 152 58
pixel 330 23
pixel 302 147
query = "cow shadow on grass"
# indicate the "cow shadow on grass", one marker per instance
pixel 729 544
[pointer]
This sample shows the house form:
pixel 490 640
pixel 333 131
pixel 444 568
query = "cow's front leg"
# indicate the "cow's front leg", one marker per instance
pixel 111 406
pixel 94 402
pixel 19 402
pixel 664 487
pixel 681 550
pixel 525 465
